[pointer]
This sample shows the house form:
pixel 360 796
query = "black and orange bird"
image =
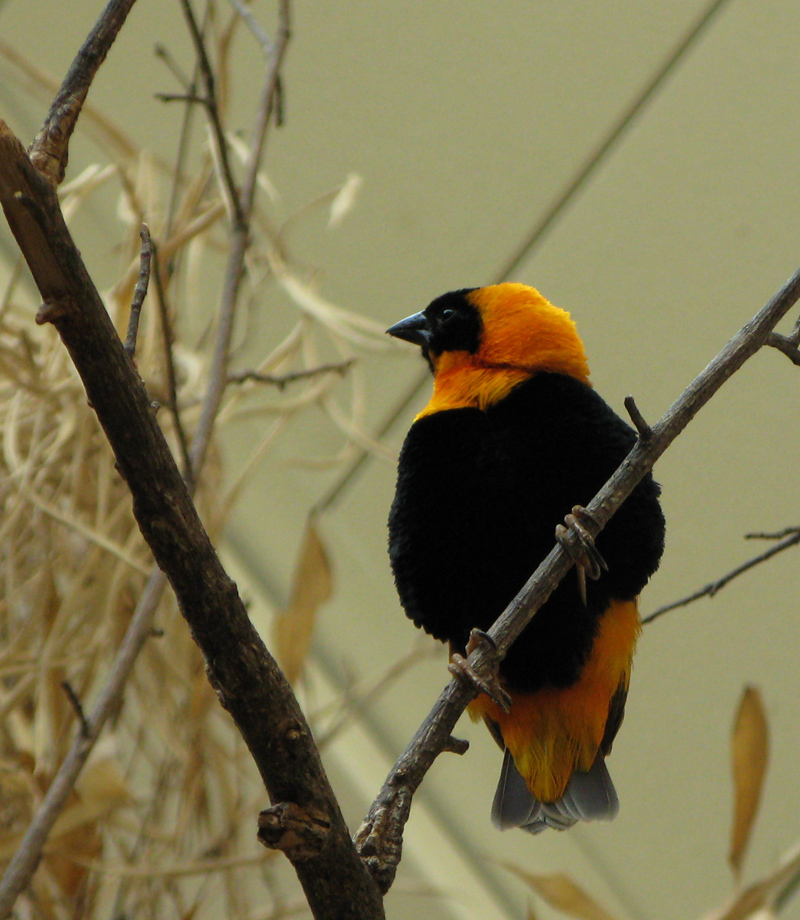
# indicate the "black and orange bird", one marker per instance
pixel 512 438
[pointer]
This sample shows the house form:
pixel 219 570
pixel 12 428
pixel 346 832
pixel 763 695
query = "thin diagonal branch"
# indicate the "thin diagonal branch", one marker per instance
pixel 253 24
pixel 616 131
pixel 791 537
pixel 210 100
pixel 380 837
pixel 240 240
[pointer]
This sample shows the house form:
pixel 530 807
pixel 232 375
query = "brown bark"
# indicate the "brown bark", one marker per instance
pixel 246 678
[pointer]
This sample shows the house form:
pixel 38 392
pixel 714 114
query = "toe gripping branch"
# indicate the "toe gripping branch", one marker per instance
pixel 483 678
pixel 574 536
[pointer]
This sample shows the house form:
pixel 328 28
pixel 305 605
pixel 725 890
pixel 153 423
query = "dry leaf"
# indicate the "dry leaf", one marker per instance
pixel 311 587
pixel 344 200
pixel 764 897
pixel 749 752
pixel 562 893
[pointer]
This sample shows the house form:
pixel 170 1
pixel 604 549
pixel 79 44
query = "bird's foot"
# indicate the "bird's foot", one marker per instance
pixel 485 683
pixel 573 535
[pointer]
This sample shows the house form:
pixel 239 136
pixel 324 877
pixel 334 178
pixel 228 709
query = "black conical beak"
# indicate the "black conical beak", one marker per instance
pixel 414 329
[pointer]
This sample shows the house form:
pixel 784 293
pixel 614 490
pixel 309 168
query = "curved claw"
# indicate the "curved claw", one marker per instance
pixel 488 684
pixel 576 539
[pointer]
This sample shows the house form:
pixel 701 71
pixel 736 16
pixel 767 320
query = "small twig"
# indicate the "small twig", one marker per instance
pixel 281 381
pixel 787 344
pixel 218 373
pixel 456 745
pixel 50 150
pixel 777 535
pixel 713 587
pixel 140 291
pixel 207 73
pixel 279 108
pixel 645 431
pixel 794 335
pixel 75 702
pixel 190 87
pixel 254 25
pixel 161 51
pixel 193 98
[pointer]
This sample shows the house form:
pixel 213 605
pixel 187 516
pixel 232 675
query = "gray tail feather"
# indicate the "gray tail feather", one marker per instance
pixel 589 796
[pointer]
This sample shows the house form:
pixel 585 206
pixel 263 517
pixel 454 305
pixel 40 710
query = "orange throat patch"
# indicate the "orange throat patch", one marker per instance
pixel 461 382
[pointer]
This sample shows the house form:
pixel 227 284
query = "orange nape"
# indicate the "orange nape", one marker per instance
pixel 554 731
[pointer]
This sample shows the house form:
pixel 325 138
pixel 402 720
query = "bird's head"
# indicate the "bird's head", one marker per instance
pixel 502 328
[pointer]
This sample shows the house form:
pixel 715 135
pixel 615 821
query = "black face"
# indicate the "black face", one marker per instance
pixel 449 323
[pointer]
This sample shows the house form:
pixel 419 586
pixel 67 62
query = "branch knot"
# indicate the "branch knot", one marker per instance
pixel 299 832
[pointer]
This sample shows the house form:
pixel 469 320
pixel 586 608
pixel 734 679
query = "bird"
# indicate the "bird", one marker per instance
pixel 513 440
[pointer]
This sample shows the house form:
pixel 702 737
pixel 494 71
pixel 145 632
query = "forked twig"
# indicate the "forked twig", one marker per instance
pixel 209 99
pixel 234 270
pixel 789 537
pixel 786 344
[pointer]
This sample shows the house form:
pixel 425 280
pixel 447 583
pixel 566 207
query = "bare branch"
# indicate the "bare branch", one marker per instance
pixel 771 535
pixel 140 291
pixel 240 242
pixel 645 431
pixel 210 100
pixel 50 150
pixel 787 344
pixel 281 381
pixel 253 24
pixel 380 837
pixel 791 538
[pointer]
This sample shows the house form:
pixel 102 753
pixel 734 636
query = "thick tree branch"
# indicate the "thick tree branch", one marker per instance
pixel 380 837
pixel 246 678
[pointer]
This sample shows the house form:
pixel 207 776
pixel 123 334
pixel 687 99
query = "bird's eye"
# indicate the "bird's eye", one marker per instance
pixel 447 313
